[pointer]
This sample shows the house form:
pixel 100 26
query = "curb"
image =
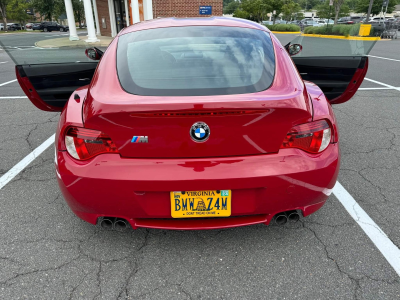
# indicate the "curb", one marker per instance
pixel 286 32
pixel 340 37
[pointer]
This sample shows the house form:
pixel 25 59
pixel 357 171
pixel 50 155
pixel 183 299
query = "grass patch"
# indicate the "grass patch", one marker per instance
pixel 284 27
pixel 342 29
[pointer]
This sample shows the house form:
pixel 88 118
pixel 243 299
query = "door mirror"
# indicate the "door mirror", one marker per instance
pixel 294 49
pixel 94 53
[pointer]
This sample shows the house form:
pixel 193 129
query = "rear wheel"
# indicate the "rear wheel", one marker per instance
pixel 61 30
pixel 45 29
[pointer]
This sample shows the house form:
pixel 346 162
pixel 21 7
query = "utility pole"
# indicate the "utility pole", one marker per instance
pixel 369 10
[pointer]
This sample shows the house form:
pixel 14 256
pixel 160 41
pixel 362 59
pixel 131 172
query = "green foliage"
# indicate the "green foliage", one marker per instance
pixel 256 9
pixel 284 27
pixel 355 29
pixel 342 29
pixel 79 11
pixel 239 13
pixel 46 8
pixel 325 11
pixel 55 8
pixel 308 4
pixel 290 10
pixel 3 11
pixel 231 7
pixel 362 6
pixel 276 5
pixel 16 10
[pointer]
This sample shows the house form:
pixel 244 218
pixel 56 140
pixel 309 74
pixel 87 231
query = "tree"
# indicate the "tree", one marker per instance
pixel 308 4
pixel 276 5
pixel 351 4
pixel 46 7
pixel 290 10
pixel 255 10
pixel 337 5
pixel 231 7
pixel 362 6
pixel 17 10
pixel 3 12
pixel 239 13
pixel 325 11
pixel 79 11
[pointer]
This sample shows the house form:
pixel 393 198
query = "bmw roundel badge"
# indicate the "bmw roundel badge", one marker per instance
pixel 199 132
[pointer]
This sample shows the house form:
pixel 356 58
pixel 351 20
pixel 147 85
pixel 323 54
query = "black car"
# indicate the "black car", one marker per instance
pixel 14 26
pixel 53 26
pixel 36 26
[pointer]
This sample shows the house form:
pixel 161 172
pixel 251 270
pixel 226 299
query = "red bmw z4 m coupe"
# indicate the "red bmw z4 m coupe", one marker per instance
pixel 195 123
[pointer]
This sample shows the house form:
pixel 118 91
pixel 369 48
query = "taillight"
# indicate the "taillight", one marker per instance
pixel 82 143
pixel 313 137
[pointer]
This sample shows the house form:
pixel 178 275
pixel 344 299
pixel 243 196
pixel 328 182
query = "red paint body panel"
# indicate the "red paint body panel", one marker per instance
pixel 136 184
pixel 177 22
pixel 109 185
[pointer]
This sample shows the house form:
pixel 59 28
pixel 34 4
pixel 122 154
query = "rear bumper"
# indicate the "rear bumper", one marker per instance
pixel 138 189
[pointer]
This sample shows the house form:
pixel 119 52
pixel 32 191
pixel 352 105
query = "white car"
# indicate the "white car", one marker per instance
pixel 324 22
pixel 1 26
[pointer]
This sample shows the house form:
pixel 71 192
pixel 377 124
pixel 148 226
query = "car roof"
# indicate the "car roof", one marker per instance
pixel 201 21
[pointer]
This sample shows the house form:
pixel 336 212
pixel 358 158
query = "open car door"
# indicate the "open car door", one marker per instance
pixel 337 66
pixel 48 76
pixel 49 86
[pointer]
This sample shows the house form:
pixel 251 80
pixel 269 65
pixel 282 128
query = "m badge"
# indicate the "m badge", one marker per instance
pixel 140 139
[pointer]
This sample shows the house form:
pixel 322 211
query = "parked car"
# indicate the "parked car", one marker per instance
pixel 127 151
pixel 53 26
pixel 14 26
pixel 378 19
pixel 364 20
pixel 267 22
pixel 296 22
pixel 308 23
pixel 36 26
pixel 325 22
pixel 28 26
pixel 350 20
pixel 1 26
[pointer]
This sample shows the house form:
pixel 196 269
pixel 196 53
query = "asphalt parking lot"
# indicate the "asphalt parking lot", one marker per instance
pixel 46 252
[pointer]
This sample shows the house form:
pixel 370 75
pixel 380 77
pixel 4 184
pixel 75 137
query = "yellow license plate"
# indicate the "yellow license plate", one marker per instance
pixel 203 204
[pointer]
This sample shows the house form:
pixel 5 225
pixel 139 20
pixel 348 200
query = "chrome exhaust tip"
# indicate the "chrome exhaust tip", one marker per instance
pixel 120 225
pixel 106 223
pixel 281 219
pixel 293 216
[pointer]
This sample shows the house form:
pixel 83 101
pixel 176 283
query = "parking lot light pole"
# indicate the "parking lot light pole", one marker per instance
pixel 73 36
pixel 89 22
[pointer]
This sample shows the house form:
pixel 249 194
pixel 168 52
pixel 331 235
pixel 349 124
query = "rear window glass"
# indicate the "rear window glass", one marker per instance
pixel 195 61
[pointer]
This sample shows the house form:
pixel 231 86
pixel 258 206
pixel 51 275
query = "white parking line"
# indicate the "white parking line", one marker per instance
pixel 377 236
pixel 1 84
pixel 376 88
pixel 384 58
pixel 14 97
pixel 384 84
pixel 6 178
pixel 3 62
